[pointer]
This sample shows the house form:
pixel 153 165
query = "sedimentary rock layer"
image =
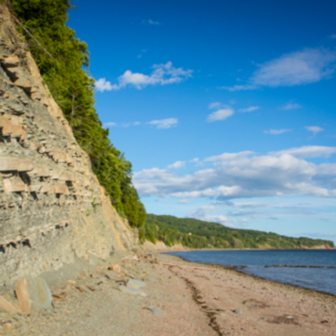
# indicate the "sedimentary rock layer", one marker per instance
pixel 52 207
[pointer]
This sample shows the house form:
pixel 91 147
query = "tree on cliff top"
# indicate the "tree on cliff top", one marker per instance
pixel 73 90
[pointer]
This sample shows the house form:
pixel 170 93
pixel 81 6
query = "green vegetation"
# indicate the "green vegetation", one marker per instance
pixel 67 77
pixel 172 230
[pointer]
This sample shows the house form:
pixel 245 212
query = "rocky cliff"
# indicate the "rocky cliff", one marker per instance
pixel 52 208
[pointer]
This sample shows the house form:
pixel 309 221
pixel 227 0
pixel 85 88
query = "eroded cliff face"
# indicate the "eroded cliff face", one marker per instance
pixel 52 208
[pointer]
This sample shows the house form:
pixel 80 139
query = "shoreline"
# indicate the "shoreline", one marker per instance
pixel 234 269
pixel 294 310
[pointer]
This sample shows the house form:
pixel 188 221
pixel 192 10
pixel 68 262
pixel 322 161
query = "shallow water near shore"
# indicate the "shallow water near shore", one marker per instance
pixel 321 278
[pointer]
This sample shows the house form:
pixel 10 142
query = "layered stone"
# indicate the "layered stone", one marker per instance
pixel 52 208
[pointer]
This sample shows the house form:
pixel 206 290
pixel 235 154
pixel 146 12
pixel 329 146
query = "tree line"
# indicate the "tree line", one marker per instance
pixel 195 233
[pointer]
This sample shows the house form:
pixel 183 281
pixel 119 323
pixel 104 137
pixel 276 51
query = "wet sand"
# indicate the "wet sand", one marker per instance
pixel 268 308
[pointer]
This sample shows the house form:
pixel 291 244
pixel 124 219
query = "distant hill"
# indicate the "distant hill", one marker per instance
pixel 195 233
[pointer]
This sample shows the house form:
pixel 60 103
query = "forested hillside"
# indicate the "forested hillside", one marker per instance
pixel 63 61
pixel 199 234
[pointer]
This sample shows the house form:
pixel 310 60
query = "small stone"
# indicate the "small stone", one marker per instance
pixel 7 306
pixel 94 261
pixel 135 283
pixel 82 289
pixel 238 311
pixel 152 279
pixel 156 312
pixel 114 267
pixel 130 290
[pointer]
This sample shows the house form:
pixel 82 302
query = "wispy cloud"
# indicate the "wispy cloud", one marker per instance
pixel 214 105
pixel 202 214
pixel 183 201
pixel 164 123
pixel 163 74
pixel 277 132
pixel 291 106
pixel 314 129
pixel 110 124
pixel 249 109
pixel 301 67
pixel 177 165
pixel 135 123
pixel 113 124
pixel 151 22
pixel 246 175
pixel 220 114
pixel 309 151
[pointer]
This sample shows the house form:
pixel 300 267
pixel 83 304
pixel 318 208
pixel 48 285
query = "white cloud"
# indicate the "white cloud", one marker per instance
pixel 195 160
pixel 228 156
pixel 164 123
pixel 212 218
pixel 249 109
pixel 163 74
pixel 277 132
pixel 291 106
pixel 177 165
pixel 103 85
pixel 309 151
pixel 151 22
pixel 183 201
pixel 220 114
pixel 314 129
pixel 201 213
pixel 110 124
pixel 239 87
pixel 301 67
pixel 246 175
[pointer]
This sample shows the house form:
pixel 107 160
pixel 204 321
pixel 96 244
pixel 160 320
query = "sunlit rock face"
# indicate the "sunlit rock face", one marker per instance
pixel 52 208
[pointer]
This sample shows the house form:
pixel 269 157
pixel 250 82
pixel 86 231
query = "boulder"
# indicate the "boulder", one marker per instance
pixel 33 293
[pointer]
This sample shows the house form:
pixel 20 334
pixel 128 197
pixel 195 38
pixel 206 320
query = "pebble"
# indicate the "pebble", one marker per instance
pixel 130 290
pixel 156 312
pixel 238 311
pixel 136 284
pixel 151 279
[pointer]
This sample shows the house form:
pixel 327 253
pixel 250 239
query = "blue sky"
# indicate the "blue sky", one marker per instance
pixel 227 110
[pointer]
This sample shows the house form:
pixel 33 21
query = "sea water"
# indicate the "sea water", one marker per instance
pixel 321 279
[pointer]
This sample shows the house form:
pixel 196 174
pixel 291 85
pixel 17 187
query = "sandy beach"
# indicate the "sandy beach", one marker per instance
pixel 179 298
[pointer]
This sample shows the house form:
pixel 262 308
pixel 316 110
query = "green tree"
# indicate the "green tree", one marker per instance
pixel 66 74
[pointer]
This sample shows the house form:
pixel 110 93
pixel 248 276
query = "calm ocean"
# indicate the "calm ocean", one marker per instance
pixel 321 279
